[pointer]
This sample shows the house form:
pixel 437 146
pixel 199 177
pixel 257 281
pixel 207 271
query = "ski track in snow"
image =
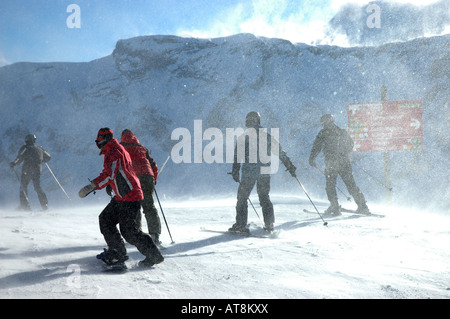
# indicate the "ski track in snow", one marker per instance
pixel 403 255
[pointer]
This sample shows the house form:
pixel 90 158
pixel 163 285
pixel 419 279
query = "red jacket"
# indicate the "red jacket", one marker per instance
pixel 143 163
pixel 118 172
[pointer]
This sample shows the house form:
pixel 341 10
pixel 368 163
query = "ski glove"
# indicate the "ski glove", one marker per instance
pixel 289 166
pixel 292 170
pixel 235 172
pixel 86 190
pixel 236 177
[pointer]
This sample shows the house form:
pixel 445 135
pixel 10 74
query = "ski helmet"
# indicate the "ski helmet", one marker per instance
pixel 104 135
pixel 30 139
pixel 326 120
pixel 252 119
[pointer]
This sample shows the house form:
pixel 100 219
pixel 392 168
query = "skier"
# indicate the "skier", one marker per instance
pixel 124 207
pixel 32 157
pixel 251 175
pixel 337 145
pixel 147 171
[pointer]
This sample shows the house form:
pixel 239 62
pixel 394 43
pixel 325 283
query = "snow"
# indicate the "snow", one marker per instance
pixel 401 256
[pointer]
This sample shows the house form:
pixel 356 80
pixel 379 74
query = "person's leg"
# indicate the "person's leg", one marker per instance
pixel 108 220
pixel 36 178
pixel 330 187
pixel 24 181
pixel 349 181
pixel 263 189
pixel 131 231
pixel 245 188
pixel 148 206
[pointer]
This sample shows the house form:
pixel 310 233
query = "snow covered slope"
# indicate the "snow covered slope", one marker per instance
pixel 155 84
pixel 401 256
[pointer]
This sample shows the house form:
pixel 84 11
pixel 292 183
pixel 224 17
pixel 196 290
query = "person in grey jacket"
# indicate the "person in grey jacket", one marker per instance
pixel 255 171
pixel 32 157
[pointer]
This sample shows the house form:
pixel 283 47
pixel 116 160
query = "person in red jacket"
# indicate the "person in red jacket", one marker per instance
pixel 147 171
pixel 124 207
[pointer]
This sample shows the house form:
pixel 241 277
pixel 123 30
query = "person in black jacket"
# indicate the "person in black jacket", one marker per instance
pixel 336 145
pixel 32 157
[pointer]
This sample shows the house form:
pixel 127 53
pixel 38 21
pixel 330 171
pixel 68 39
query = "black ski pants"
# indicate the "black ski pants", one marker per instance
pixel 343 169
pixel 263 188
pixel 127 216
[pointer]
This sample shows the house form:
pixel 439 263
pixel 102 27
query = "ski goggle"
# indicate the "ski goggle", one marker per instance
pixel 104 135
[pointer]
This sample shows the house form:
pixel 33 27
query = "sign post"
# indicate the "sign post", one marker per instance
pixel 387 158
pixel 386 126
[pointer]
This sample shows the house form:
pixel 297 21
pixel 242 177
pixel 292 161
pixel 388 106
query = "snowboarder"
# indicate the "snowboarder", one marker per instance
pixel 251 175
pixel 124 207
pixel 147 171
pixel 336 145
pixel 32 157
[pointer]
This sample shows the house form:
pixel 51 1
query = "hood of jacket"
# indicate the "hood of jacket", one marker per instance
pixel 129 138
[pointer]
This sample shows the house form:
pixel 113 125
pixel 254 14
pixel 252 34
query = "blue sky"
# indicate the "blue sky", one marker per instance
pixel 37 30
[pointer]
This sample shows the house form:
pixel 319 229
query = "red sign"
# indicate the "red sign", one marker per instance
pixel 386 126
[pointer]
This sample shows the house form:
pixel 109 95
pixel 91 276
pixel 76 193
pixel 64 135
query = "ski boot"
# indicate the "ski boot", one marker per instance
pixel 239 229
pixel 268 227
pixel 363 209
pixel 149 261
pixel 333 211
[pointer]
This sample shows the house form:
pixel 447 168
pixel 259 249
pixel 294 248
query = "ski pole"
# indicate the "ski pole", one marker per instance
pixel 157 197
pixel 251 204
pixel 348 197
pixel 162 167
pixel 160 207
pixel 18 178
pixel 51 172
pixel 373 177
pixel 301 185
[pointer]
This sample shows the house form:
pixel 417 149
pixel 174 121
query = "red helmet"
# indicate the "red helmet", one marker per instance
pixel 104 135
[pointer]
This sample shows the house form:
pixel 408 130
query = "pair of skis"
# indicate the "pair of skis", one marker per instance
pixel 345 210
pixel 259 234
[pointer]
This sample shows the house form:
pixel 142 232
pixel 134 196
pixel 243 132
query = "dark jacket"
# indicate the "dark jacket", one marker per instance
pixel 249 144
pixel 335 143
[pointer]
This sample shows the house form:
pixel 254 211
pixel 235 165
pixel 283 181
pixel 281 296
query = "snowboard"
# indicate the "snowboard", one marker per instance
pixel 115 268
pixel 118 267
